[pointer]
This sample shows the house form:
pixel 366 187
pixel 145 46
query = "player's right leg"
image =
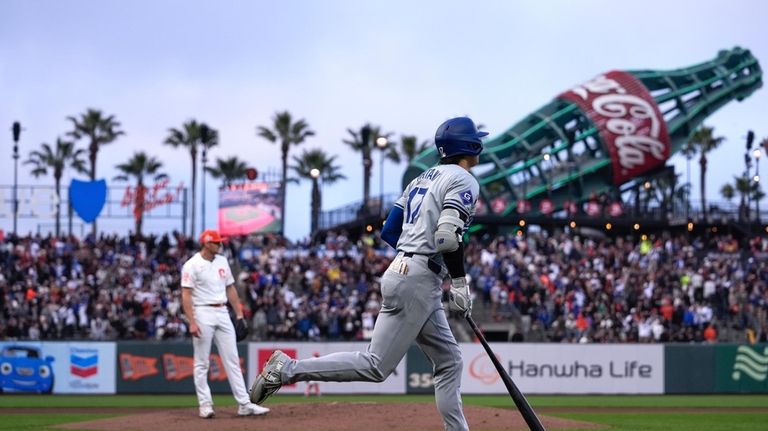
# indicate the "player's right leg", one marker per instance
pixel 202 349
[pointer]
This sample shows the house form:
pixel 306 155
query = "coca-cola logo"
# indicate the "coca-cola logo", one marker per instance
pixel 593 208
pixel 523 206
pixel 615 209
pixel 570 207
pixel 546 206
pixel 629 121
pixel 498 205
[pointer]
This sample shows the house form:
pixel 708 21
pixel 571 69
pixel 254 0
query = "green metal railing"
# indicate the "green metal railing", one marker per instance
pixel 580 165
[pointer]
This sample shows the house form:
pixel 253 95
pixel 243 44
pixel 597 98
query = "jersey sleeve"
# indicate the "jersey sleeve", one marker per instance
pixel 187 276
pixel 230 277
pixel 400 203
pixel 461 195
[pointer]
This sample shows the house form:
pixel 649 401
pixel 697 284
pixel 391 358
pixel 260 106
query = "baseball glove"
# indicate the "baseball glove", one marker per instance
pixel 241 329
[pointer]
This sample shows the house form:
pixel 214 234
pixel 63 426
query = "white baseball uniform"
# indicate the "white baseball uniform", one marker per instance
pixel 208 281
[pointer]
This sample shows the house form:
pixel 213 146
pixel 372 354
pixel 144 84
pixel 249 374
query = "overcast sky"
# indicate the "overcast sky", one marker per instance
pixel 404 65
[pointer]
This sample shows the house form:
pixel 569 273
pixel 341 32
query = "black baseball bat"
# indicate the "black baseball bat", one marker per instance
pixel 522 404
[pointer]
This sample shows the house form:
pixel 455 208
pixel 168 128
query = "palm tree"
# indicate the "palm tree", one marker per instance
pixel 230 170
pixel 689 151
pixel 704 141
pixel 57 159
pixel 410 147
pixel 327 172
pixel 664 192
pixel 727 192
pixel 190 136
pixel 209 138
pixel 287 133
pixel 100 130
pixel 744 187
pixel 139 167
pixel 363 141
pixel 681 198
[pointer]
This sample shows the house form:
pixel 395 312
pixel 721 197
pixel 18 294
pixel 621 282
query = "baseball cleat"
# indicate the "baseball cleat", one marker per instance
pixel 251 410
pixel 206 411
pixel 268 382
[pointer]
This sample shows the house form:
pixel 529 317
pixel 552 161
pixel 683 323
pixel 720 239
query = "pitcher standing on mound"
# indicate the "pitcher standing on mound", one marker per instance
pixel 425 226
pixel 207 283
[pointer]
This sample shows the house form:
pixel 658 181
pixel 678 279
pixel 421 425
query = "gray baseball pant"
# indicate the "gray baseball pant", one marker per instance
pixel 411 311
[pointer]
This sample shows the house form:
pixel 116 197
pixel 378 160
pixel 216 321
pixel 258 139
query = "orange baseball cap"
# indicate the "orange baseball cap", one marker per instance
pixel 210 235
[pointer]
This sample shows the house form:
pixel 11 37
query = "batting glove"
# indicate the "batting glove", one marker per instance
pixel 460 299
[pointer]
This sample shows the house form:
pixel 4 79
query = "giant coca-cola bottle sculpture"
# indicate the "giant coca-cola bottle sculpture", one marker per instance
pixel 617 127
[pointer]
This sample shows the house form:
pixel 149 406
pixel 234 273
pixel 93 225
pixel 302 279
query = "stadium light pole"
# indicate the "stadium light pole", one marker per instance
pixel 205 161
pixel 16 129
pixel 757 153
pixel 688 156
pixel 205 134
pixel 381 143
pixel 315 174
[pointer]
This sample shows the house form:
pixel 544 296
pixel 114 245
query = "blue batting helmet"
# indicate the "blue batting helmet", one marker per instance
pixel 459 136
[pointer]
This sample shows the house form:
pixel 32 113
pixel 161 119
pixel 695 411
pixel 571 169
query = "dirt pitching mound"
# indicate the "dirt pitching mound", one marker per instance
pixel 333 416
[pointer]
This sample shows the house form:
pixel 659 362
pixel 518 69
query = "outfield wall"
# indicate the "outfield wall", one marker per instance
pixel 76 367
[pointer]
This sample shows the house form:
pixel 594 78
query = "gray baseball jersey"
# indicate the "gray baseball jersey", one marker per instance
pixel 411 300
pixel 444 186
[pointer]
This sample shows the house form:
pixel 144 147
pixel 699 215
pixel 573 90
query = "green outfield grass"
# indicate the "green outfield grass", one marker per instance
pixel 619 421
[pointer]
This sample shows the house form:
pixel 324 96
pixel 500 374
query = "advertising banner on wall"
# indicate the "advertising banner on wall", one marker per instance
pixel 680 377
pixel 250 208
pixel 719 368
pixel 566 368
pixel 742 369
pixel 419 378
pixel 631 126
pixel 259 353
pixel 57 367
pixel 167 368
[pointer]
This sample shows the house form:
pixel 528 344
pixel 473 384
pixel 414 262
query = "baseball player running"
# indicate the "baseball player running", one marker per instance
pixel 425 226
pixel 207 283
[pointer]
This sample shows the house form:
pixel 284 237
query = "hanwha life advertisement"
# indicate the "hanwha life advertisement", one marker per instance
pixel 566 368
pixel 57 367
pixel 249 208
pixel 259 353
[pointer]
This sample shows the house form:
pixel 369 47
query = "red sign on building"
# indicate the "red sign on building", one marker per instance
pixel 523 206
pixel 546 206
pixel 615 209
pixel 629 122
pixel 593 208
pixel 570 207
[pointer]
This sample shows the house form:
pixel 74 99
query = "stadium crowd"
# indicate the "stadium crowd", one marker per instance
pixel 563 287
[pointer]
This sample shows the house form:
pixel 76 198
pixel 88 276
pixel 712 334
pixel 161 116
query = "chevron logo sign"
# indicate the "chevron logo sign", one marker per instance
pixel 750 363
pixel 84 362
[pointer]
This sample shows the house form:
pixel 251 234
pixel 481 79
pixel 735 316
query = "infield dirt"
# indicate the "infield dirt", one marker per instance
pixel 333 416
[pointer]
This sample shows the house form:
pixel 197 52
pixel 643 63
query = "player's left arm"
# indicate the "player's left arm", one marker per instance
pixel 234 301
pixel 232 296
pixel 455 217
pixel 393 225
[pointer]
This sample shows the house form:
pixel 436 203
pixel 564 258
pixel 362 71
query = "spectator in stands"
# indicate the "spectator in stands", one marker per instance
pixel 548 287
